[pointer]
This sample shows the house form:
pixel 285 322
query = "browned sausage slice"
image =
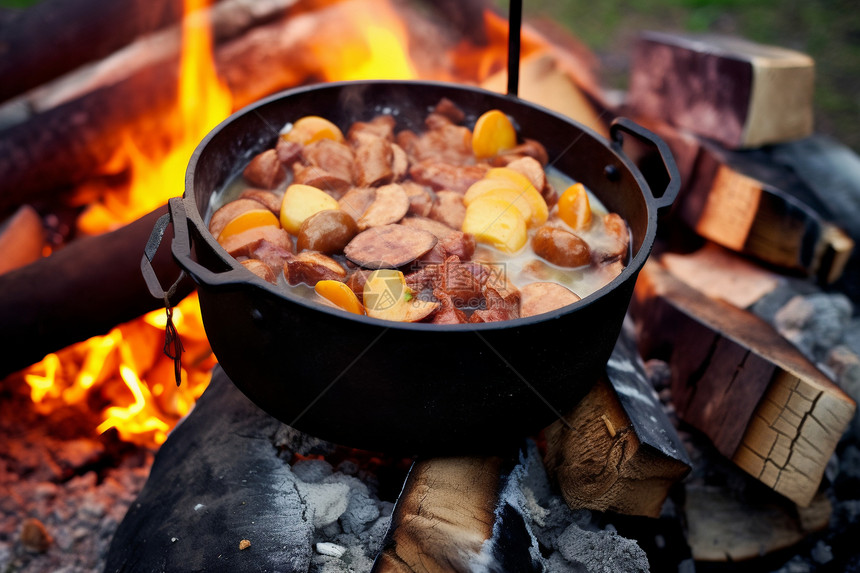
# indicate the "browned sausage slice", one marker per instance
pixel 560 247
pixel 356 201
pixel 265 170
pixel 270 200
pixel 389 246
pixel 310 267
pixel 449 209
pixel 538 298
pixel 390 205
pixel 260 269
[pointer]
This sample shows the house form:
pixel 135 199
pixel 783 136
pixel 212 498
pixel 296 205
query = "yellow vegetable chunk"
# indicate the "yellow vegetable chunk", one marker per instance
pixel 530 203
pixel 508 194
pixel 302 201
pixel 496 222
pixel 540 211
pixel 493 133
pixel 312 128
pixel 339 295
pixel 574 207
pixel 387 297
pixel 248 220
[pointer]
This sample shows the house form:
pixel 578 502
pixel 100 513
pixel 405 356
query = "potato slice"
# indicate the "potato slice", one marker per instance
pixel 312 128
pixel 248 220
pixel 302 201
pixel 493 133
pixel 386 296
pixel 505 191
pixel 496 222
pixel 540 211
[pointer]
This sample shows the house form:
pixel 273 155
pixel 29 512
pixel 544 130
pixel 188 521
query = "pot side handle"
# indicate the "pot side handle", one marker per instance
pixel 181 250
pixel 622 125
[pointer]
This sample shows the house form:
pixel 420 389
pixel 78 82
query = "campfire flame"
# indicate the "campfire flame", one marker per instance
pixel 124 374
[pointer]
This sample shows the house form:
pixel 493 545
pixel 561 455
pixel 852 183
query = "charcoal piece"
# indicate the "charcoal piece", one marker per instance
pixel 216 481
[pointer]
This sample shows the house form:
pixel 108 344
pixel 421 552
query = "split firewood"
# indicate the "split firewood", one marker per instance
pixel 746 202
pixel 80 291
pixel 722 274
pixel 619 451
pixel 445 516
pixel 731 90
pixel 757 398
pixel 22 238
pixel 722 527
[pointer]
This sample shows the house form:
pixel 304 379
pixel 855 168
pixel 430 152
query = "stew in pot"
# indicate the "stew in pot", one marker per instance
pixel 450 225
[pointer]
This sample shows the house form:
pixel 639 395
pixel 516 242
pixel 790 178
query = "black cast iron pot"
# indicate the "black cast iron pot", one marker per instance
pixel 400 387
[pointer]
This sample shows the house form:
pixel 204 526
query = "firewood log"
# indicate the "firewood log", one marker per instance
pixel 734 91
pixel 80 291
pixel 746 202
pixel 447 512
pixel 619 451
pixel 758 399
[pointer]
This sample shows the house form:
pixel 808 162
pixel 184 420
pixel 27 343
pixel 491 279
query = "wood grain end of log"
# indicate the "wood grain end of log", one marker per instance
pixel 443 516
pixel 600 464
pixel 791 436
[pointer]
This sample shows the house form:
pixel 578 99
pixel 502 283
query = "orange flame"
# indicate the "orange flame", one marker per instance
pixel 125 373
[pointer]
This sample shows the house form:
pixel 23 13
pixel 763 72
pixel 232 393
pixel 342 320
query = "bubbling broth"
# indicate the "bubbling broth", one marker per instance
pixel 449 225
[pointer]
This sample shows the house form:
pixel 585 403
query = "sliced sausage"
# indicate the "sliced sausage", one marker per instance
pixel 541 297
pixel 373 159
pixel 389 206
pixel 498 308
pixel 310 267
pixel 532 169
pixel 420 199
pixel 380 126
pixel 617 242
pixel 356 201
pixel 331 156
pixel 560 247
pixel 326 232
pixel 318 177
pixel 389 246
pixel 245 243
pixel 453 242
pixel 260 269
pixel 448 313
pixel 449 109
pixel 460 284
pixel 528 148
pixel 399 163
pixel 268 199
pixel 265 170
pixel 288 151
pixel 440 175
pixel 449 209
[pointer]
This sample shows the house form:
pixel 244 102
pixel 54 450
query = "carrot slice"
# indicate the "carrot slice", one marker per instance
pixel 248 220
pixel 574 207
pixel 493 133
pixel 340 295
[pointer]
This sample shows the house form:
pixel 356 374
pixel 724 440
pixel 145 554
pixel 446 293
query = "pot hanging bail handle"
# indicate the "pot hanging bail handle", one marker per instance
pixel 672 180
pixel 515 20
pixel 172 343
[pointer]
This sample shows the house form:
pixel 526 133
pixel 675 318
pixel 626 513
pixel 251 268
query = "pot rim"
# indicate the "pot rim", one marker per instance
pixel 244 277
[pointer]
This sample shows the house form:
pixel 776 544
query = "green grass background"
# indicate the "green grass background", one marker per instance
pixel 827 30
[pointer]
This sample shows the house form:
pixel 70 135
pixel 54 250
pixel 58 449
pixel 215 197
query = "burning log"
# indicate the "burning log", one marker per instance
pixel 758 399
pixel 22 238
pixel 619 451
pixel 80 291
pixel 196 508
pixel 736 92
